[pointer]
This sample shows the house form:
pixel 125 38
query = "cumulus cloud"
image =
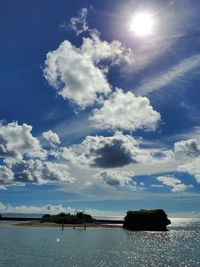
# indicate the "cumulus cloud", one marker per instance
pixel 6 174
pixel 39 172
pixel 101 51
pixel 174 183
pixel 70 155
pixel 79 23
pixel 17 140
pixel 110 152
pixel 116 177
pixel 34 171
pixel 51 137
pixel 99 151
pixel 75 72
pixel 192 168
pixel 7 178
pixel 187 148
pixel 183 157
pixel 75 76
pixel 187 154
pixel 25 161
pixel 125 111
pixel 113 151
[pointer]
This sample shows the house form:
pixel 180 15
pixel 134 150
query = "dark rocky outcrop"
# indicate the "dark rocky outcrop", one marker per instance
pixel 149 220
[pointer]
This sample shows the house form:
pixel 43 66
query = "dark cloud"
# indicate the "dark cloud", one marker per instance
pixel 112 155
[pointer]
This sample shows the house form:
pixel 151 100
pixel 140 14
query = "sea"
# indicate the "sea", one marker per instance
pixel 52 247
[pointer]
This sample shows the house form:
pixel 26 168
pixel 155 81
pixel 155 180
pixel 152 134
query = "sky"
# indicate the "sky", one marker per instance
pixel 100 106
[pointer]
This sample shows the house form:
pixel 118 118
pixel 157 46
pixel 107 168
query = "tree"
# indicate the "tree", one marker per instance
pixel 153 220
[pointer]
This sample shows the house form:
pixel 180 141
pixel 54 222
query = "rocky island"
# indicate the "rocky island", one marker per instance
pixel 146 220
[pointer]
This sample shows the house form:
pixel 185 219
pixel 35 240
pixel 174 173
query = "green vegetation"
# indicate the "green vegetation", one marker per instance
pixel 78 218
pixel 153 220
pixel 145 212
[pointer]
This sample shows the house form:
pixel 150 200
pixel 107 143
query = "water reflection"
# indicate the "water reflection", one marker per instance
pixel 100 247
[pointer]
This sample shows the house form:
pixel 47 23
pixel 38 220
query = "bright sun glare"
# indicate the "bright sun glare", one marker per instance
pixel 142 24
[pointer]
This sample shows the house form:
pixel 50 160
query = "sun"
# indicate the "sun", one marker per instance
pixel 142 24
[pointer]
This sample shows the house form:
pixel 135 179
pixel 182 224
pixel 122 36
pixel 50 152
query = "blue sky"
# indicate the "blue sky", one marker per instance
pixel 95 115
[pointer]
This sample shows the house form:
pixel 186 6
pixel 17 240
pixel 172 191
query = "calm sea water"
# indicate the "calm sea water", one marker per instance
pixel 27 247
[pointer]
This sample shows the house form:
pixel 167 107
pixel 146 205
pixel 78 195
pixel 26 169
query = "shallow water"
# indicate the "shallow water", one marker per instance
pixel 52 247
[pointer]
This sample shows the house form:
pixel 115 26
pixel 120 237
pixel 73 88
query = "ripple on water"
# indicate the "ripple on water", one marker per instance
pixel 99 247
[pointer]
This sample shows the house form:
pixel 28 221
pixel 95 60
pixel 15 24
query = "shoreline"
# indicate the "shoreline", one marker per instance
pixel 73 226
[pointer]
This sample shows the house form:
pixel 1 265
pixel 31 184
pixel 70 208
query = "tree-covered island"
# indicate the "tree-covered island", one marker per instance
pixel 149 220
pixel 67 218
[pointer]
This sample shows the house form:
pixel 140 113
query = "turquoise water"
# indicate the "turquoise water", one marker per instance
pixel 27 247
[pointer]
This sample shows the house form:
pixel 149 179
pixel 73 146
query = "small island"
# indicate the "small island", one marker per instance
pixel 146 220
pixel 67 218
pixel 76 221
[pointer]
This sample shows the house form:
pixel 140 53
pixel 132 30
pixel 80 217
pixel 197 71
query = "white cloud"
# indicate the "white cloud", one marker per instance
pixel 39 172
pixel 116 177
pixel 7 178
pixel 96 154
pixel 25 161
pixel 125 111
pixel 79 23
pixel 112 151
pixel 87 183
pixel 6 174
pixel 69 154
pixel 188 154
pixel 75 76
pixel 75 73
pixel 175 183
pixel 52 137
pixel 176 72
pixel 118 150
pixel 187 148
pixel 35 172
pixel 192 168
pixel 99 51
pixel 183 157
pixel 16 141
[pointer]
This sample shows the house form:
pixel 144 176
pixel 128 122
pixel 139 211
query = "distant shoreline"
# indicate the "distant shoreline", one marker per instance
pixel 73 226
